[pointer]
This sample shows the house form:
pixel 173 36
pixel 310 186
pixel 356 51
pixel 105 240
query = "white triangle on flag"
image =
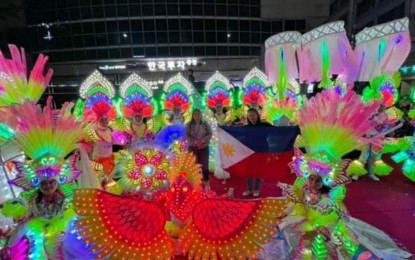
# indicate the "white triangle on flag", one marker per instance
pixel 231 150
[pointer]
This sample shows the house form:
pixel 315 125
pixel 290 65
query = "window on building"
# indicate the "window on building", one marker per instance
pixel 115 53
pixel 221 10
pixel 91 54
pixel 197 9
pixel 199 50
pixel 160 9
pixel 233 10
pixel 174 37
pixel 102 54
pixel 173 24
pixel 149 25
pixel 126 53
pixel 162 37
pixel 150 37
pixel 175 52
pixel 86 12
pixel 210 25
pixel 151 52
pixel 122 10
pixel 136 25
pixel 98 12
pixel 186 24
pixel 172 9
pixel 186 37
pixel 147 10
pixel 210 37
pixel 187 51
pixel 138 38
pixel 244 26
pixel 110 11
pixel 198 37
pixel 135 10
pixel 112 26
pixel 210 50
pixel 163 51
pixel 184 9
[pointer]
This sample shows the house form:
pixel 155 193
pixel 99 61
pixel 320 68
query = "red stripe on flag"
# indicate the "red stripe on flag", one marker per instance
pixel 270 166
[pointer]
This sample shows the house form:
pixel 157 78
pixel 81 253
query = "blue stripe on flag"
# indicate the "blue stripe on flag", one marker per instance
pixel 265 138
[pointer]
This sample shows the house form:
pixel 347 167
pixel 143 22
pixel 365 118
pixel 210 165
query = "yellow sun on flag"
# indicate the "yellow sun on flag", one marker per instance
pixel 228 149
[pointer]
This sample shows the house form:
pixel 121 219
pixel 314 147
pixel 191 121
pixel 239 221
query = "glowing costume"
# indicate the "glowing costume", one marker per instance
pixel 178 100
pixel 137 94
pixel 381 50
pixel 16 88
pixel 97 92
pixel 219 92
pixel 281 67
pixel 47 138
pixel 254 89
pixel 331 127
pixel 200 227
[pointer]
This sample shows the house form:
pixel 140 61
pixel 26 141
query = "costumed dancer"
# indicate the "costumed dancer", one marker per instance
pixel 317 225
pixel 43 213
pixel 196 226
pixel 178 100
pixel 381 51
pixel 97 92
pixel 219 93
pixel 281 67
pixel 219 100
pixel 138 108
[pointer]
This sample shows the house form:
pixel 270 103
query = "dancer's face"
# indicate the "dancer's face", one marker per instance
pixel 138 118
pixel 103 121
pixel 176 111
pixel 315 182
pixel 48 187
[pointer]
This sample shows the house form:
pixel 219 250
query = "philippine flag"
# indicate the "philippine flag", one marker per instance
pixel 262 152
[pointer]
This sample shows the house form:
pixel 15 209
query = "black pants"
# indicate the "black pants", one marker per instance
pixel 202 157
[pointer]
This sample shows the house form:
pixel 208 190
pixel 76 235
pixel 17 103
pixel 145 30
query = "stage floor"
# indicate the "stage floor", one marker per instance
pixel 388 204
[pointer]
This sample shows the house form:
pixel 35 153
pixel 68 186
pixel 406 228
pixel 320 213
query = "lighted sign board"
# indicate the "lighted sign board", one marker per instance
pixel 114 67
pixel 171 64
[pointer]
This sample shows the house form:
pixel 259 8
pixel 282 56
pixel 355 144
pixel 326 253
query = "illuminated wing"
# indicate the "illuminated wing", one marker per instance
pixel 293 193
pixel 121 228
pixel 230 229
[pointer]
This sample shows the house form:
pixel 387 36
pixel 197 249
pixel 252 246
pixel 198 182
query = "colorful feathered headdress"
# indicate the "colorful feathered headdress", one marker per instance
pixel 383 88
pixel 332 126
pixel 178 93
pixel 98 92
pixel 46 136
pixel 137 94
pixel 219 91
pixel 254 85
pixel 15 87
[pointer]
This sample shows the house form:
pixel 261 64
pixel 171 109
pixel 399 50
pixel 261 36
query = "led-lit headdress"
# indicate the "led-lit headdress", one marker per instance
pixel 382 48
pixel 254 84
pixel 15 88
pixel 326 51
pixel 332 126
pixel 178 92
pixel 218 91
pixel 98 92
pixel 47 138
pixel 383 88
pixel 137 94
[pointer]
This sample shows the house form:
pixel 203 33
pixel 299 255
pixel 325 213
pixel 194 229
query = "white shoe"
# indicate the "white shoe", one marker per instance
pixel 355 177
pixel 230 193
pixel 256 193
pixel 374 177
pixel 246 193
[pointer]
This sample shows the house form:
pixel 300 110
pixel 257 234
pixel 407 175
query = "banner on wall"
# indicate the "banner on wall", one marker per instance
pixel 262 152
